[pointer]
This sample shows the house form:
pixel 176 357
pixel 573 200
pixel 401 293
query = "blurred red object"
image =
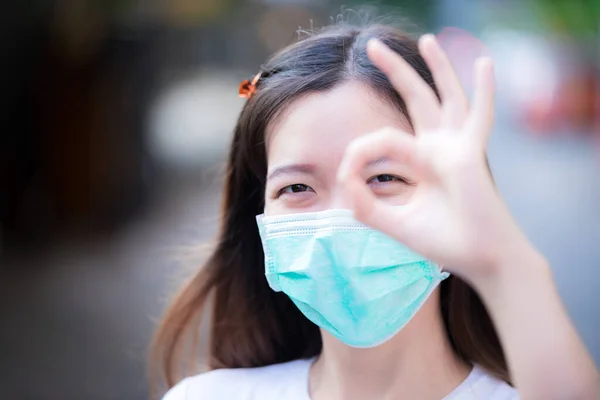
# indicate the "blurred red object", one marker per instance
pixel 579 99
pixel 575 105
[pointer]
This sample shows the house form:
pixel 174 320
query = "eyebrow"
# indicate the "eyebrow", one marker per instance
pixel 381 160
pixel 308 169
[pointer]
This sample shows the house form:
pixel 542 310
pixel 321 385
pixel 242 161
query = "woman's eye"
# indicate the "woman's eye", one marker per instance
pixel 295 188
pixel 383 178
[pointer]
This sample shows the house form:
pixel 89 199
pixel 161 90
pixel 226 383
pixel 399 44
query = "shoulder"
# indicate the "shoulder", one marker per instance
pixel 272 381
pixel 482 385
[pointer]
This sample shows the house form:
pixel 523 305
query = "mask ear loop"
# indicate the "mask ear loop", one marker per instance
pixel 444 274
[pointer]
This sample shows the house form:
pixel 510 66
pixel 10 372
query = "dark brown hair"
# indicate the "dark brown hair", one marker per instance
pixel 252 325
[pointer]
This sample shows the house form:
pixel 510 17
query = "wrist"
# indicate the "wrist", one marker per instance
pixel 516 264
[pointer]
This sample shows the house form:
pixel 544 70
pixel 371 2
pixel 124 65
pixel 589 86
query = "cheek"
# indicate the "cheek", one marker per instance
pixel 272 207
pixel 395 197
pixel 299 204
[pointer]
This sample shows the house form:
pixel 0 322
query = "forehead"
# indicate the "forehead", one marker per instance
pixel 319 126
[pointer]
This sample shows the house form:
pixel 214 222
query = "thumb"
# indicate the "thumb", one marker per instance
pixel 389 144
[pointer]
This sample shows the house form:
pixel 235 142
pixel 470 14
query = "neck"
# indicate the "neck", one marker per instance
pixel 416 363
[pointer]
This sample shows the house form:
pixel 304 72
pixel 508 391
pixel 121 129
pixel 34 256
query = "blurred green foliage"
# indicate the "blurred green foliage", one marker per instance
pixel 573 17
pixel 418 13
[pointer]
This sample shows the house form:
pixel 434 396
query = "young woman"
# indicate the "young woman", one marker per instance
pixel 385 266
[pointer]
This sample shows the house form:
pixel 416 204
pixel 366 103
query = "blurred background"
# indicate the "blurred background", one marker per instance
pixel 116 120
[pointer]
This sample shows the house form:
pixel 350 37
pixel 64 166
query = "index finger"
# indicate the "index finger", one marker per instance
pixel 421 102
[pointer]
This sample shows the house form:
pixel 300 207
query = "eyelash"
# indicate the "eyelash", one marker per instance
pixel 283 190
pixel 394 178
pixel 307 188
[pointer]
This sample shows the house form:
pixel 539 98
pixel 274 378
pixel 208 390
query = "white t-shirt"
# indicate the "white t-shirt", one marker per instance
pixel 289 381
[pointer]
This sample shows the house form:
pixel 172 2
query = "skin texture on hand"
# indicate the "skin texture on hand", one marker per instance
pixel 456 218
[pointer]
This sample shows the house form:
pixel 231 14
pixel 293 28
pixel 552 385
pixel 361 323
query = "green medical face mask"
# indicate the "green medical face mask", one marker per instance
pixel 351 280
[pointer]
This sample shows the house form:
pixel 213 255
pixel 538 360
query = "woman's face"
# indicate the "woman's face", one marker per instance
pixel 306 145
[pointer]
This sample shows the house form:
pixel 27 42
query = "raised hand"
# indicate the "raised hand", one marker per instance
pixel 455 217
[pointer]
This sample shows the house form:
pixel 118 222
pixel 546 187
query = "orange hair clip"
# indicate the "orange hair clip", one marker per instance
pixel 248 88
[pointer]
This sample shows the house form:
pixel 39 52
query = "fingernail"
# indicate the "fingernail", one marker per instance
pixel 485 62
pixel 429 36
pixel 428 46
pixel 429 39
pixel 376 44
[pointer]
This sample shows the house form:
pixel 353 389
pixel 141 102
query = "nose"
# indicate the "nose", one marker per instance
pixel 338 199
